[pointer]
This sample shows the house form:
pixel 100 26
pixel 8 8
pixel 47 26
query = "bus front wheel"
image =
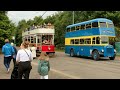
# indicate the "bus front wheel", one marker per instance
pixel 95 55
pixel 71 52
pixel 112 58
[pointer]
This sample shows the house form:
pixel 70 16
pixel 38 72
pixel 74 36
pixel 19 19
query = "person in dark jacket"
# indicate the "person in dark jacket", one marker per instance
pixel 8 51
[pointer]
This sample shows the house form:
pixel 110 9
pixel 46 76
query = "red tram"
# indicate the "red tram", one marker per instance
pixel 42 38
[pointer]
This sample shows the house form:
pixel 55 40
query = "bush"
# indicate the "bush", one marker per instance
pixel 60 46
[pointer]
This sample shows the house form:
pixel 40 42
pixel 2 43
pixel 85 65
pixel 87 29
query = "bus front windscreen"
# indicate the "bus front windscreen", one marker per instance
pixel 104 40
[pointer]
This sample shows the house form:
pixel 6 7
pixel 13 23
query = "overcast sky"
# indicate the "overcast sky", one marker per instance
pixel 16 16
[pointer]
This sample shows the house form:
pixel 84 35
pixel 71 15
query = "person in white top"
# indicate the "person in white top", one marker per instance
pixel 24 58
pixel 33 50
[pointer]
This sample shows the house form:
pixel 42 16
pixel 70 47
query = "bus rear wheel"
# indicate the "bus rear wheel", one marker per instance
pixel 95 55
pixel 72 53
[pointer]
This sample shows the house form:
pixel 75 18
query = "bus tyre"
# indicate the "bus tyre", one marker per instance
pixel 112 58
pixel 95 55
pixel 72 53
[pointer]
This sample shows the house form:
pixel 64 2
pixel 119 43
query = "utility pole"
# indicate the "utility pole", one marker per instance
pixel 73 17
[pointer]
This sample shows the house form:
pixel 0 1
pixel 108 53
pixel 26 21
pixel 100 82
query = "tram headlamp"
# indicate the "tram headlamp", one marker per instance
pixel 102 50
pixel 49 48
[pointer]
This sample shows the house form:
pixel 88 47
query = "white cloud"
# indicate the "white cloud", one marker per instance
pixel 16 16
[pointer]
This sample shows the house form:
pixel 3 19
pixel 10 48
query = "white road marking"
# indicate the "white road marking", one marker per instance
pixel 60 72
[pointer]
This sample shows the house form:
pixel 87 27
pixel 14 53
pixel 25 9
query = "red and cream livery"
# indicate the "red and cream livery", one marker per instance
pixel 41 37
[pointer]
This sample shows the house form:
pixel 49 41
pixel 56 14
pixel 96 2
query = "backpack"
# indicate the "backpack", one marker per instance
pixel 43 68
pixel 14 74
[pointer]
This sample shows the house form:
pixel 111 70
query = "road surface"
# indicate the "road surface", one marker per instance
pixel 65 67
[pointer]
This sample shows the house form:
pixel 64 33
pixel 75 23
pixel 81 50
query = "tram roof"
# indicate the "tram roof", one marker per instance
pixel 39 31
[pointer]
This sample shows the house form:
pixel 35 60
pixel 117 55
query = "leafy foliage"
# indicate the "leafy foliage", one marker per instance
pixel 64 18
pixel 6 28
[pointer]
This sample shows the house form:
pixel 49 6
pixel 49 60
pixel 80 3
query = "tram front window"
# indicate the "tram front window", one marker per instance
pixel 31 39
pixel 47 39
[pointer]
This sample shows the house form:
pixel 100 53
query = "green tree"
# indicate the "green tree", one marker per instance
pixel 22 25
pixel 61 19
pixel 7 28
pixel 37 20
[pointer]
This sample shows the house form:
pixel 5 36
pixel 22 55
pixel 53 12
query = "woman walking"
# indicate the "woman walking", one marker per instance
pixel 24 58
pixel 43 65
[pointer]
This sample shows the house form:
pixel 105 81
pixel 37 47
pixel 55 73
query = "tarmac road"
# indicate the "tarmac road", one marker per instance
pixel 53 74
pixel 65 67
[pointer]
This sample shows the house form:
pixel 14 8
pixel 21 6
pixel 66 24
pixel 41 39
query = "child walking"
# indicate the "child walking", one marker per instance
pixel 43 65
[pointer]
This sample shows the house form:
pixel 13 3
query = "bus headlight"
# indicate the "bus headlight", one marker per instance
pixel 102 50
pixel 114 50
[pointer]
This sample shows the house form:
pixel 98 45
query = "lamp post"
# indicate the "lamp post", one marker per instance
pixel 73 17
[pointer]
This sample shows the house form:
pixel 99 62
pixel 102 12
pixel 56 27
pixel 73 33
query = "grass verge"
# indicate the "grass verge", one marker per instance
pixel 59 50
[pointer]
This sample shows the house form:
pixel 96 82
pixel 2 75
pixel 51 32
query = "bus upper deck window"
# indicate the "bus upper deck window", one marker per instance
pixel 110 25
pixel 72 29
pixel 68 29
pixel 88 25
pixel 95 24
pixel 103 24
pixel 77 27
pixel 82 27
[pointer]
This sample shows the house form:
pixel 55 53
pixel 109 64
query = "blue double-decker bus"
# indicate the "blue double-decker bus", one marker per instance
pixel 91 38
